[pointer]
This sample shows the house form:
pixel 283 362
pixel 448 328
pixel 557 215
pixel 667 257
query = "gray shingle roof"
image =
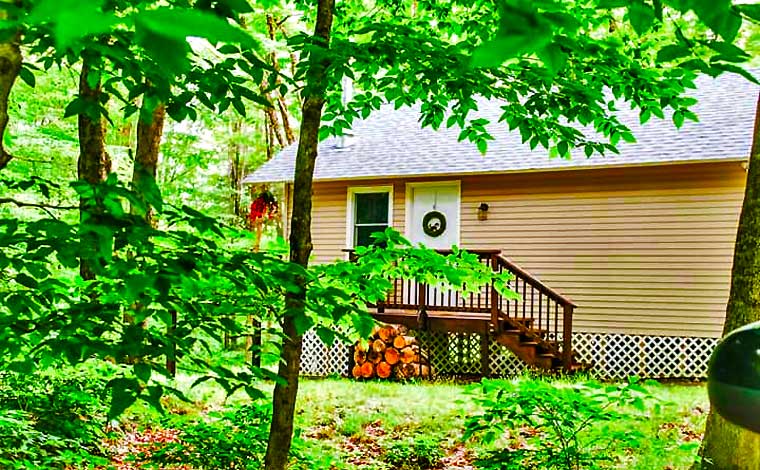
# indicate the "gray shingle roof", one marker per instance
pixel 390 143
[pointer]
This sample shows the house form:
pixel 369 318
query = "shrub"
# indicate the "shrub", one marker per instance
pixel 416 453
pixel 52 419
pixel 67 403
pixel 234 440
pixel 538 424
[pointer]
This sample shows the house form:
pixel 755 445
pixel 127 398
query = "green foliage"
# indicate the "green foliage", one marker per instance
pixel 52 419
pixel 414 453
pixel 176 292
pixel 233 440
pixel 553 63
pixel 553 425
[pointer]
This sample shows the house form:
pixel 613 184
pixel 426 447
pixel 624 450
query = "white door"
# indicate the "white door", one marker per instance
pixel 434 214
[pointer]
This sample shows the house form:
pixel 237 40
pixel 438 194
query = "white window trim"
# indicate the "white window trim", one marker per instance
pixel 409 200
pixel 354 190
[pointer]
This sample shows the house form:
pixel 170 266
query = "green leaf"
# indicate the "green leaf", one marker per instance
pixel 123 395
pixel 26 75
pixel 678 119
pixel 26 280
pixel 553 57
pixel 611 4
pixel 148 188
pixel 303 323
pixel 181 23
pixel 727 49
pixel 326 335
pixel 641 16
pixel 153 397
pixel 645 115
pixel 143 371
pixel 672 52
pixel 750 10
pixel 496 52
pixel 737 70
pixel 564 149
pixel 363 324
pixel 719 16
pixel 169 53
pixel 628 137
pixel 482 145
pixel 72 19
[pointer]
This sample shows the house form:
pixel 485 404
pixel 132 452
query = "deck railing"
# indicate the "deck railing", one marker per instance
pixel 540 308
pixel 540 311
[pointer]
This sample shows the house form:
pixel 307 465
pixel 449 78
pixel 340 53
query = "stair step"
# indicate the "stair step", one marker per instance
pixel 512 332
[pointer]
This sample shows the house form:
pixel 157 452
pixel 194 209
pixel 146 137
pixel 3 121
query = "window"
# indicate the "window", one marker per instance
pixel 370 213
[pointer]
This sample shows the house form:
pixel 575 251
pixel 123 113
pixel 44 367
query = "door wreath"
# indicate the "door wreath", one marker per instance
pixel 434 224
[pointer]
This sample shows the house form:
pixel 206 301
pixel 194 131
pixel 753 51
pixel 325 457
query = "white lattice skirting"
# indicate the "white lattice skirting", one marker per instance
pixel 613 356
pixel 616 356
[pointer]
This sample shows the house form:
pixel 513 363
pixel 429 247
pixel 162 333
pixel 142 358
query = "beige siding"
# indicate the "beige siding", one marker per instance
pixel 329 216
pixel 641 250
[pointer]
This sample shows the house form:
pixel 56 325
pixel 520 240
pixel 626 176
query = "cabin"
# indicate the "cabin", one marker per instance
pixel 622 261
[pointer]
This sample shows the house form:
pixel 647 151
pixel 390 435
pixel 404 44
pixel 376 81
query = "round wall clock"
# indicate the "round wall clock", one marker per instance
pixel 434 224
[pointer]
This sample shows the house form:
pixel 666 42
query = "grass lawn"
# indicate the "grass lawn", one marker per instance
pixel 344 424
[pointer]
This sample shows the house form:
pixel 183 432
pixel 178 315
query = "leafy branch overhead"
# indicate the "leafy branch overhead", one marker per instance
pixel 561 68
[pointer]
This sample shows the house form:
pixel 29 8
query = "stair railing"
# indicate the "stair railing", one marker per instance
pixel 540 308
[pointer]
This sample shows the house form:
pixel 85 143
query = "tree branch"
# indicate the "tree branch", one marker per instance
pixel 10 200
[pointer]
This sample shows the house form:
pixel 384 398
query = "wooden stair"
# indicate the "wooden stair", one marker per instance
pixel 537 328
pixel 531 347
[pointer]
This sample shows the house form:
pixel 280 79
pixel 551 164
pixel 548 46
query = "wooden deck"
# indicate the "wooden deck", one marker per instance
pixel 537 328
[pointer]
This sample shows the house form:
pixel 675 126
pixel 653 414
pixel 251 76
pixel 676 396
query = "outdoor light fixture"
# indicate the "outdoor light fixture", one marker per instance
pixel 483 211
pixel 733 381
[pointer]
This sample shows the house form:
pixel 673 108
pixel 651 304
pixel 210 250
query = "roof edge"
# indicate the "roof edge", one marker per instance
pixel 246 180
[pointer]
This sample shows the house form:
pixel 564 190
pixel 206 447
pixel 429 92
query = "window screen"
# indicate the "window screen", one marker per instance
pixel 370 216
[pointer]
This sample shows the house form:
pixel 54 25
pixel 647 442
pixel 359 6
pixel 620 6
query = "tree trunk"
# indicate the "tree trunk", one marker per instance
pixel 10 66
pixel 237 170
pixel 150 129
pixel 281 105
pixel 284 399
pixel 727 446
pixel 94 163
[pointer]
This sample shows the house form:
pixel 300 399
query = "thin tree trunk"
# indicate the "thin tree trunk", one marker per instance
pixel 281 105
pixel 727 446
pixel 94 163
pixel 150 129
pixel 269 137
pixel 284 399
pixel 236 169
pixel 274 121
pixel 10 66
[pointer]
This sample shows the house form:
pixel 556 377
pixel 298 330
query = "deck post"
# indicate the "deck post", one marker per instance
pixel 484 352
pixel 567 337
pixel 495 298
pixel 422 296
pixel 422 316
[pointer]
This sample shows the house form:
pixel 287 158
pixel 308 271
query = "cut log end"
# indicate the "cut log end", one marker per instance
pixel 389 353
pixel 383 370
pixel 367 370
pixel 392 356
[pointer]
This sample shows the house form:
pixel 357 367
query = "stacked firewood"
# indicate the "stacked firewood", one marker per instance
pixel 390 353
